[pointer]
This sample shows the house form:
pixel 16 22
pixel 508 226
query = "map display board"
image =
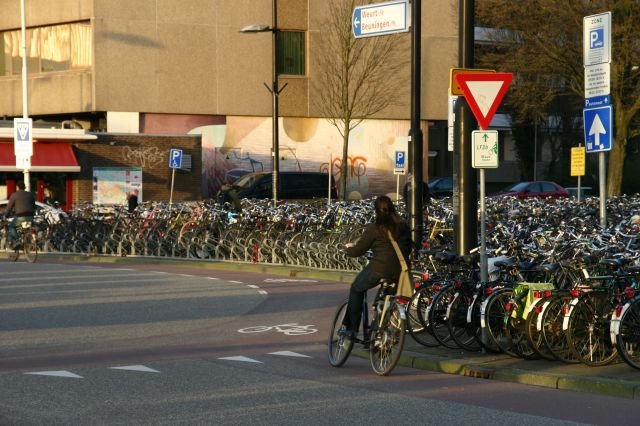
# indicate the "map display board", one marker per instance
pixel 112 184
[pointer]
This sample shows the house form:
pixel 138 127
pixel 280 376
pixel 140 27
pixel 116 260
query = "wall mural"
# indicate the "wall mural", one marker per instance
pixel 243 145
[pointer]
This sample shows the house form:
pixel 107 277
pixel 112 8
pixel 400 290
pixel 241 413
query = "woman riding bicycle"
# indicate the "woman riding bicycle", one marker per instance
pixel 383 264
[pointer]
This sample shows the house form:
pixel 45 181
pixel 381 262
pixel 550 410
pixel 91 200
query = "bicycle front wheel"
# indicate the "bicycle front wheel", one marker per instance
pixel 387 341
pixel 30 244
pixel 339 345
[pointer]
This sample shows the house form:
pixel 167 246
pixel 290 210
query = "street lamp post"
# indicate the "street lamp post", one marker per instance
pixel 274 90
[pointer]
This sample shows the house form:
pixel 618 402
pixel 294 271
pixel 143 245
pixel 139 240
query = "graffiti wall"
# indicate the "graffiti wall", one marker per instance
pixel 243 144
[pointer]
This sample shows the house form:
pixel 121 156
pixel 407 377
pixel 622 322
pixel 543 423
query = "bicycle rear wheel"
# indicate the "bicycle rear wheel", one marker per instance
pixel 417 317
pixel 339 345
pixel 30 245
pixel 387 341
pixel 12 254
pixel 628 339
pixel 589 330
pixel 555 338
pixel 496 316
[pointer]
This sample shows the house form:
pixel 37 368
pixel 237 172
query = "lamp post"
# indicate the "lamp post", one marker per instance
pixel 274 90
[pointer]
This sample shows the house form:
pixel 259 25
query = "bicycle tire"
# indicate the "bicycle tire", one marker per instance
pixel 628 337
pixel 480 332
pixel 12 254
pixel 438 316
pixel 417 321
pixel 495 315
pixel 339 347
pixel 387 340
pixel 589 330
pixel 460 329
pixel 30 245
pixel 534 335
pixel 515 329
pixel 555 338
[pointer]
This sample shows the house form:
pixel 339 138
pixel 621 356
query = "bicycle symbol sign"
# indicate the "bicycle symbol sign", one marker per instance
pixel 291 329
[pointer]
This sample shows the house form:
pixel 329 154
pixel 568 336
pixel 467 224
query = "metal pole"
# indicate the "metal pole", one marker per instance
pixel 173 175
pixel 465 196
pixel 535 150
pixel 484 267
pixel 415 134
pixel 275 92
pixel 25 103
pixel 603 190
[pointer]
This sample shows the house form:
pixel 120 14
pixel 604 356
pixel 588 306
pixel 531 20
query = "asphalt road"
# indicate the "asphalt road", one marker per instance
pixel 84 344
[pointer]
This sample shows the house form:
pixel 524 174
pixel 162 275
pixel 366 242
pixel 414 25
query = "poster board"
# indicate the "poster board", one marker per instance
pixel 112 184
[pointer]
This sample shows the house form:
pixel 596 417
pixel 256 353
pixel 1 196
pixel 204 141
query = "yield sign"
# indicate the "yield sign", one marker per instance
pixel 483 93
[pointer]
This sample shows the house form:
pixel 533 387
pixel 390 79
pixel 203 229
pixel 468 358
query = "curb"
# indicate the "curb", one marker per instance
pixel 284 270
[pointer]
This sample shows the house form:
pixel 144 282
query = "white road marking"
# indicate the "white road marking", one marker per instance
pixel 288 280
pixel 236 282
pixel 252 286
pixel 262 292
pixel 56 373
pixel 289 353
pixel 186 275
pixel 241 358
pixel 212 278
pixel 135 368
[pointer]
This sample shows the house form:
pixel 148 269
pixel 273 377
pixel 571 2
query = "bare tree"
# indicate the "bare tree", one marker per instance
pixel 356 77
pixel 542 42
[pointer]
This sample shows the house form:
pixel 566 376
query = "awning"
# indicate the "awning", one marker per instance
pixel 47 157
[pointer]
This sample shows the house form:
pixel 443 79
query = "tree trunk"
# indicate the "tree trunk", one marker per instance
pixel 344 166
pixel 617 156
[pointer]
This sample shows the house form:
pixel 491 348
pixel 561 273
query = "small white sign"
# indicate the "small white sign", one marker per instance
pixel 484 153
pixel 380 19
pixel 399 171
pixel 597 80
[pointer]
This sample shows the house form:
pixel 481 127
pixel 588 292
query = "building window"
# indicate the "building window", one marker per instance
pixel 49 49
pixel 291 52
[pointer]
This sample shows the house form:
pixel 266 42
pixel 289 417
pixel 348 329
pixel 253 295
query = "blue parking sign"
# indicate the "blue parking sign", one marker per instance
pixel 400 156
pixel 598 128
pixel 175 158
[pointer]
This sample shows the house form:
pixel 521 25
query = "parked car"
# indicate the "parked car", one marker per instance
pixel 52 214
pixel 441 187
pixel 541 189
pixel 292 186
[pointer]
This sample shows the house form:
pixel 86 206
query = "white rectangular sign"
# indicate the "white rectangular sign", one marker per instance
pixel 597 39
pixel 380 19
pixel 597 80
pixel 484 152
pixel 22 136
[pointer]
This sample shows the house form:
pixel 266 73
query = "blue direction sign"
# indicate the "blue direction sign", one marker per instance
pixel 380 19
pixel 598 128
pixel 175 158
pixel 400 156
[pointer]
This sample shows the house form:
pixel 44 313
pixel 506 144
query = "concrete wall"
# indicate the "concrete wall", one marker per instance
pixel 188 57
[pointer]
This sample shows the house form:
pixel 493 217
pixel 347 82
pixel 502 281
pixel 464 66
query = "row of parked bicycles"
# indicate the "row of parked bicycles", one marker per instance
pixel 561 287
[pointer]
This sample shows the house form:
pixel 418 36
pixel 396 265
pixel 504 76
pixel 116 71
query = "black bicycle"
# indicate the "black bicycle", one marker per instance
pixel 27 242
pixel 383 336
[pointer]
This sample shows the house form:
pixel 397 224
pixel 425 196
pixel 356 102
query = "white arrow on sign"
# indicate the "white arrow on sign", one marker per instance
pixel 597 129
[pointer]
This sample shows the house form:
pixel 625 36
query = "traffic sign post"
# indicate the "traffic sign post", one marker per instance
pixel 598 123
pixel 484 152
pixel 380 19
pixel 399 169
pixel 578 162
pixel 175 162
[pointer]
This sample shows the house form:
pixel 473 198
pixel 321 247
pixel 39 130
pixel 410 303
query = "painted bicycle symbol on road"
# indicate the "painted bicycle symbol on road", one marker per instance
pixel 291 329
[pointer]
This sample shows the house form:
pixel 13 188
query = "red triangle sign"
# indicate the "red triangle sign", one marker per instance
pixel 483 93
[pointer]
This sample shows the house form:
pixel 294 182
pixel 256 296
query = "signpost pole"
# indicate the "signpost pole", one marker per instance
pixel 173 175
pixel 25 103
pixel 484 262
pixel 603 190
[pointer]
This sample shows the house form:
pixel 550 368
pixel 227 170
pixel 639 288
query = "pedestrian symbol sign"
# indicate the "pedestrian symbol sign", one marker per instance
pixel 598 128
pixel 175 158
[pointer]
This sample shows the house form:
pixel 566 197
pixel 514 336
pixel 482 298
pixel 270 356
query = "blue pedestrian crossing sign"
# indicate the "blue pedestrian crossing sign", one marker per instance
pixel 598 128
pixel 175 158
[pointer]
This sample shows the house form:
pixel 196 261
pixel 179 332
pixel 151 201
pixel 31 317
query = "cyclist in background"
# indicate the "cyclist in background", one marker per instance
pixel 24 204
pixel 383 264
